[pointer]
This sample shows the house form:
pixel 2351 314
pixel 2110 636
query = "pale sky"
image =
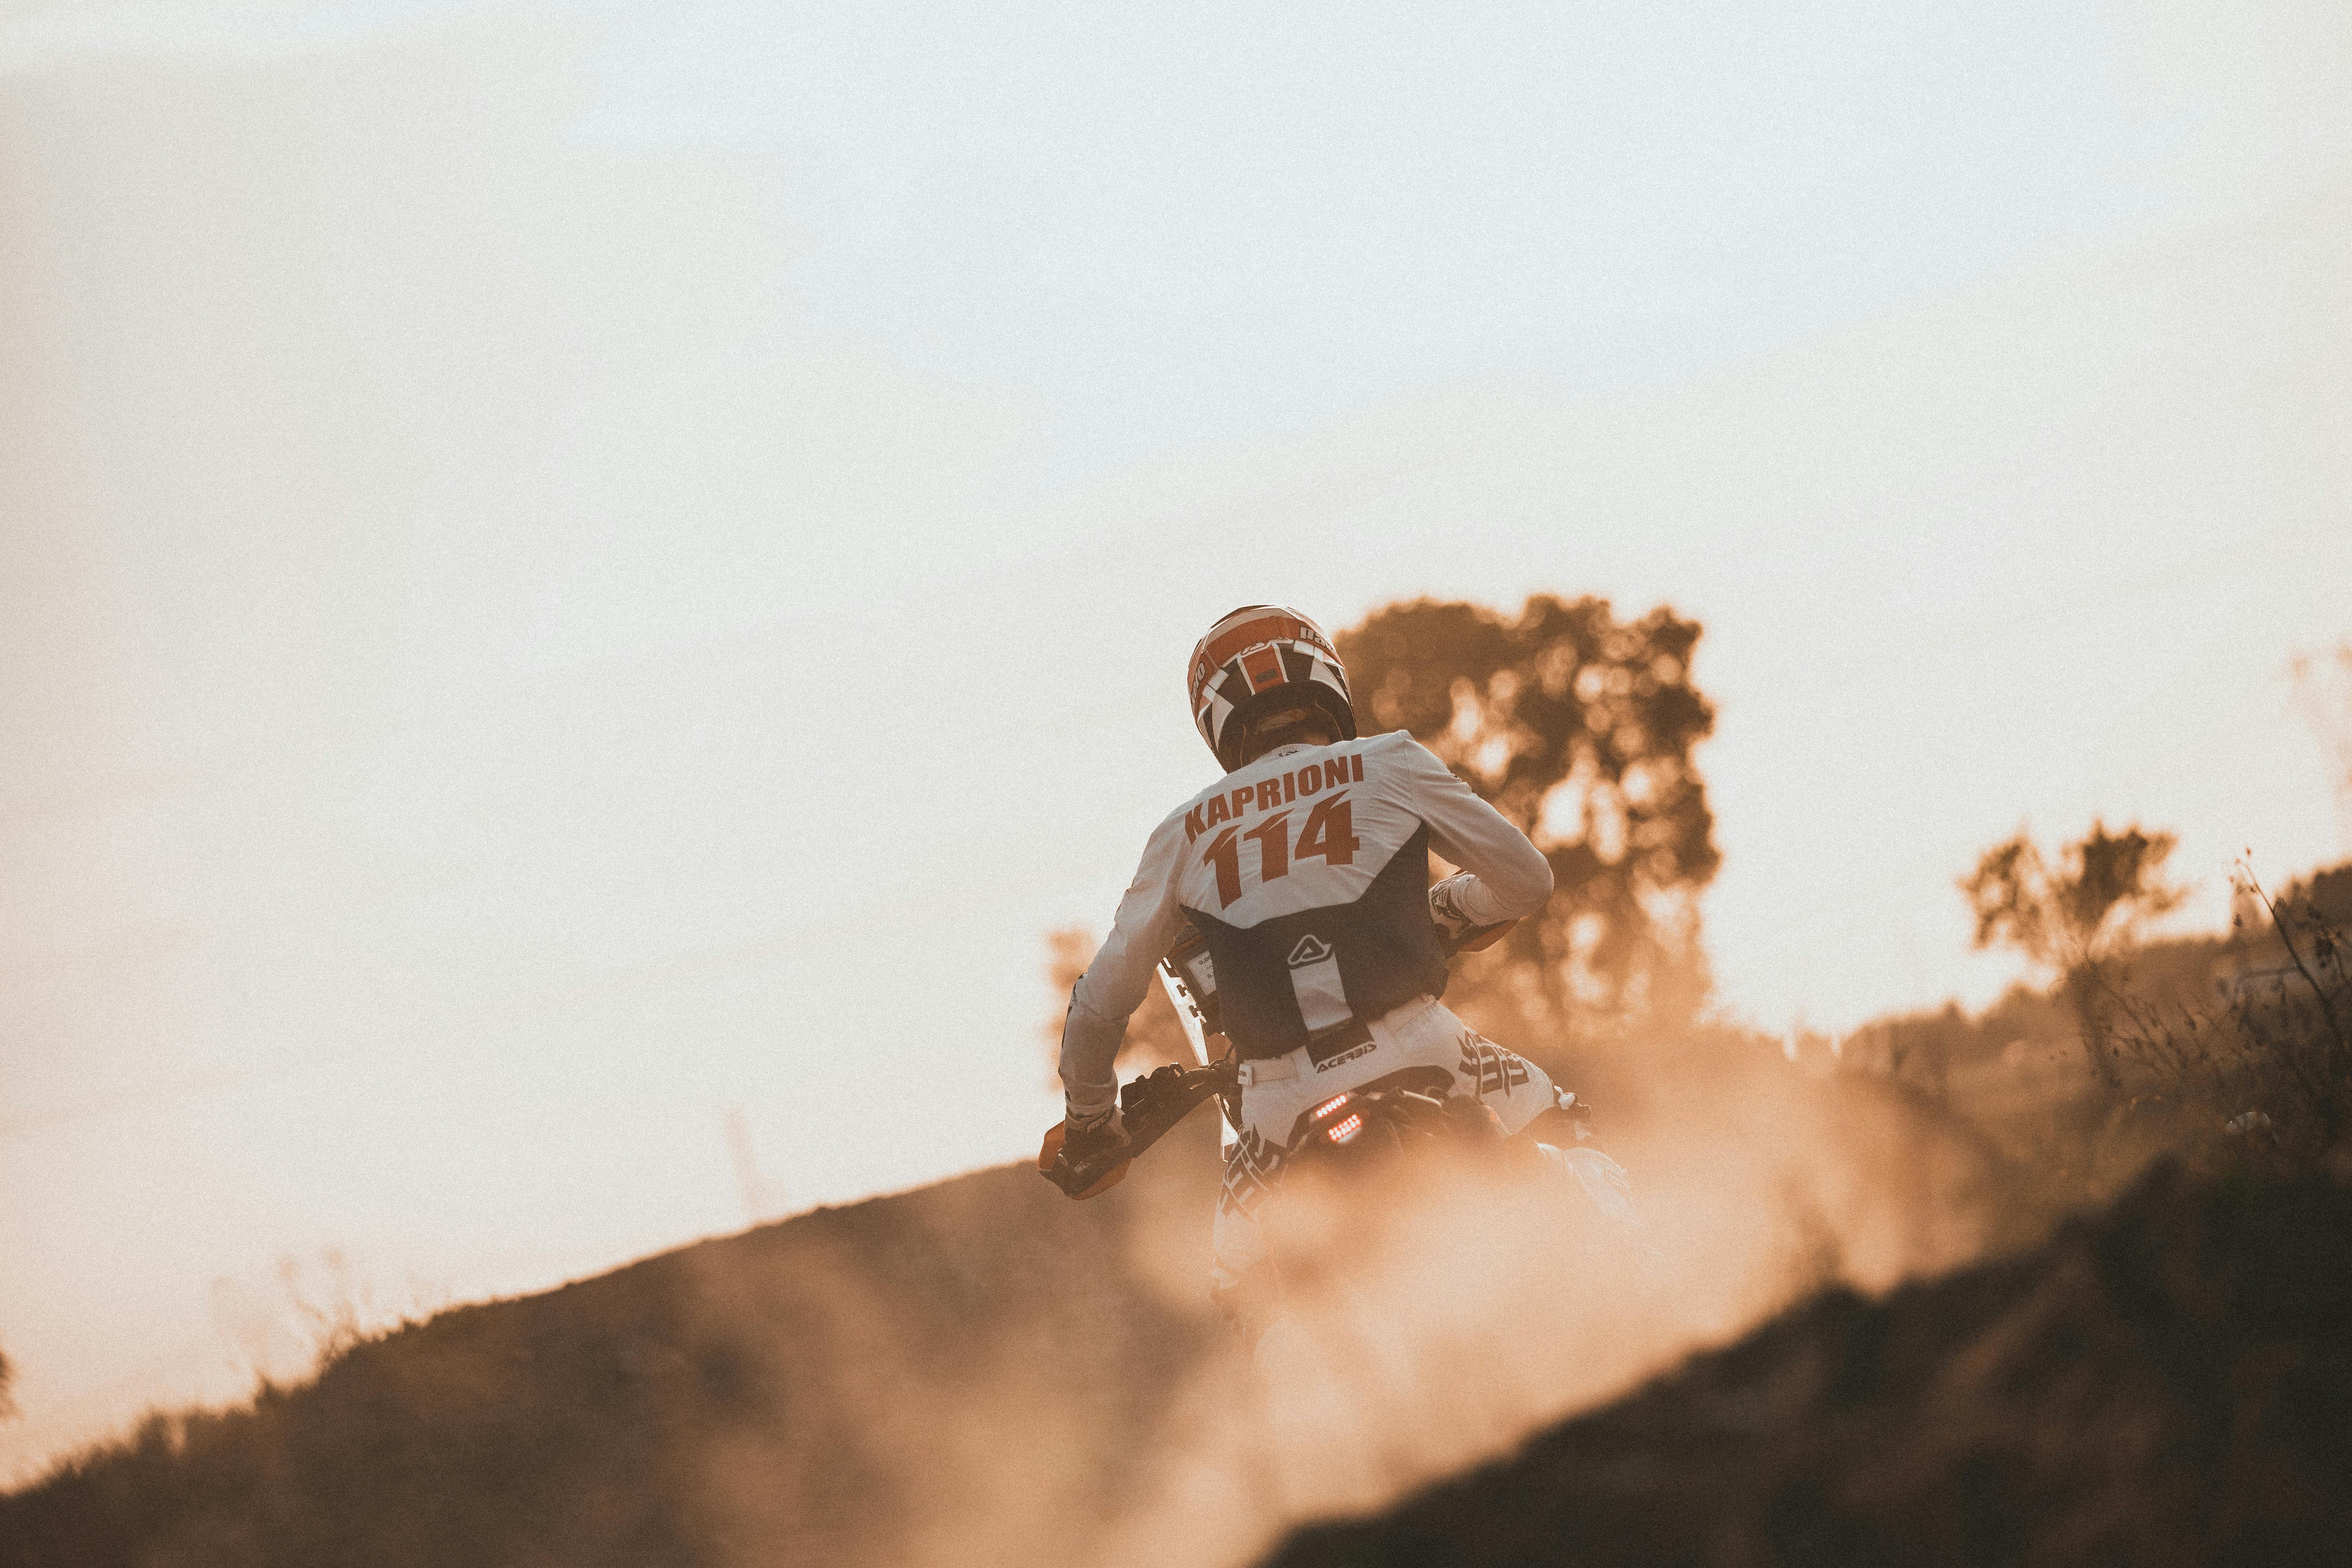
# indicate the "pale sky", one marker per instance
pixel 565 568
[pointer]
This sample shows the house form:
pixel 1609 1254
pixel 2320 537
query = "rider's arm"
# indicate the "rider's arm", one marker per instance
pixel 1150 920
pixel 1509 877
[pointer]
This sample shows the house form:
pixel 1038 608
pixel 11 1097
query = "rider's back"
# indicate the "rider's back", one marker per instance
pixel 1306 873
pixel 1305 869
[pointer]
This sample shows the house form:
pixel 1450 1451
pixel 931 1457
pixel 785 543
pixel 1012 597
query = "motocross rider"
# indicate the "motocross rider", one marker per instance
pixel 1306 870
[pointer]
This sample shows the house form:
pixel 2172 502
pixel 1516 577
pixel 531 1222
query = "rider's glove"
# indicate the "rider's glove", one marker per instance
pixel 1088 1145
pixel 1446 909
pixel 1457 931
pixel 1085 1137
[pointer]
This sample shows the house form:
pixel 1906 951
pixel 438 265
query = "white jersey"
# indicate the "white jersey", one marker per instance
pixel 1306 871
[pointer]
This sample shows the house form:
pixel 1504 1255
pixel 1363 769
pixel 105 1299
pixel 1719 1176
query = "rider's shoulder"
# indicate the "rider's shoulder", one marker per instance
pixel 1397 748
pixel 1396 740
pixel 1216 787
pixel 1172 825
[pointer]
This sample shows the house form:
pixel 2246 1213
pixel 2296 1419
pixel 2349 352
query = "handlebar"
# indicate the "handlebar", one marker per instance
pixel 1148 1107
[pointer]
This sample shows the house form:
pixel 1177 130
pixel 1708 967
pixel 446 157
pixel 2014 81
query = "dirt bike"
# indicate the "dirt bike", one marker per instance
pixel 1313 1316
pixel 1414 1109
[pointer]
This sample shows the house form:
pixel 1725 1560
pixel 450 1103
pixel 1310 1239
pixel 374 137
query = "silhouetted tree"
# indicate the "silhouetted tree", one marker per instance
pixel 1580 728
pixel 7 1405
pixel 2077 918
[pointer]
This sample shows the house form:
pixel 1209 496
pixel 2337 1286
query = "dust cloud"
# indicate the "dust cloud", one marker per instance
pixel 1434 1322
pixel 984 1372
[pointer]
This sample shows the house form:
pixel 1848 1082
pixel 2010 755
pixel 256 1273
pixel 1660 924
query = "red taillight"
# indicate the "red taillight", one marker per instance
pixel 1342 1132
pixel 1330 1105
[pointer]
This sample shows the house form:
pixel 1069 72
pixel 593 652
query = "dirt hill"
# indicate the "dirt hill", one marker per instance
pixel 814 1390
pixel 985 1373
pixel 2170 1383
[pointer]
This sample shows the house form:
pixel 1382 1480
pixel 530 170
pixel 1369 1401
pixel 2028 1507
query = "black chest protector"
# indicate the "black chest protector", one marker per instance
pixel 1313 977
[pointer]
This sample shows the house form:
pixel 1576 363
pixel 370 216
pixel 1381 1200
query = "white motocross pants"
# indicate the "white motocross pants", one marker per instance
pixel 1420 1032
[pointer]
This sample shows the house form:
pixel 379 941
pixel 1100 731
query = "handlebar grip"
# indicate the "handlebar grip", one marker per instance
pixel 1148 1107
pixel 1085 1181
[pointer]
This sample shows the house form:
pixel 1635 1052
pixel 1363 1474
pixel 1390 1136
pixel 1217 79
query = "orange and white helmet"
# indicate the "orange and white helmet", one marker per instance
pixel 1255 660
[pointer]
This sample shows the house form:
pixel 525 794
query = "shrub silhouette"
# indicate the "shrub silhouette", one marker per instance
pixel 2074 917
pixel 2257 1070
pixel 2227 1052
